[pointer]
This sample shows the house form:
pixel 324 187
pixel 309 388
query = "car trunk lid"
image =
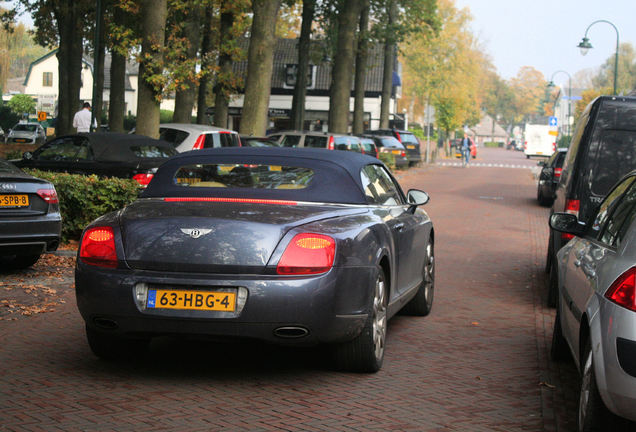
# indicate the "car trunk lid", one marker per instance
pixel 212 237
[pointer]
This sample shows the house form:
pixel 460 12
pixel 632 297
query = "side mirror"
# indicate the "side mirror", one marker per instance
pixel 416 198
pixel 27 155
pixel 567 223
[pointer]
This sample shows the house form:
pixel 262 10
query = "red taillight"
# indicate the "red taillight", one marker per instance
pixel 143 179
pixel 98 247
pixel 525 145
pixel 572 206
pixel 230 200
pixel 623 290
pixel 553 147
pixel 557 172
pixel 307 254
pixel 403 154
pixel 397 135
pixel 330 144
pixel 48 195
pixel 198 144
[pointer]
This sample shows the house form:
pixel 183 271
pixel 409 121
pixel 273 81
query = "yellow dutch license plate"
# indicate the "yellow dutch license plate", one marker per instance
pixel 14 200
pixel 20 140
pixel 410 147
pixel 396 151
pixel 192 300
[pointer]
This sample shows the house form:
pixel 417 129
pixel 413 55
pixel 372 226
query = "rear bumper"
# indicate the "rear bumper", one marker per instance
pixel 329 308
pixel 615 360
pixel 30 235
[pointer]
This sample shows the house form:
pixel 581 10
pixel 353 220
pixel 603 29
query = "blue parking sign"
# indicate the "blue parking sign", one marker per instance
pixel 552 121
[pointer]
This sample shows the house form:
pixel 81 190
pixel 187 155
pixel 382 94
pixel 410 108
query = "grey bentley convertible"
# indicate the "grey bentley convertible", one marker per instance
pixel 290 246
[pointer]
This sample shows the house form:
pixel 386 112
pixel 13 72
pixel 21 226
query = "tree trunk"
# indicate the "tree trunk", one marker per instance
pixel 221 89
pixel 153 13
pixel 184 97
pixel 300 88
pixel 69 57
pixel 362 55
pixel 98 70
pixel 341 77
pixel 389 63
pixel 117 95
pixel 206 47
pixel 260 57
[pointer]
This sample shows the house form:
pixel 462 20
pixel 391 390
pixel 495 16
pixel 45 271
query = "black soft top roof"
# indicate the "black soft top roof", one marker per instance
pixel 336 174
pixel 112 146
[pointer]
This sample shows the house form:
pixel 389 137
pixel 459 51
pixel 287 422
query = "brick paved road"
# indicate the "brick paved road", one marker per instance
pixel 478 363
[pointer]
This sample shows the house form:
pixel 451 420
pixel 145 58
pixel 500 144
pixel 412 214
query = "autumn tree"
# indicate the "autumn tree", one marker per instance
pixel 529 88
pixel 259 68
pixel 153 15
pixel 341 78
pixel 300 87
pixel 184 40
pixel 626 71
pixel 120 41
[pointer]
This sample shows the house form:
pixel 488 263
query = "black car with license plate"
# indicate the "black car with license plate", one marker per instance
pixel 105 154
pixel 30 221
pixel 289 246
pixel 406 138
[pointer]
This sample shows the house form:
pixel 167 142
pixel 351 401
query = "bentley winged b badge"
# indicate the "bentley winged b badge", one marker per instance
pixel 196 232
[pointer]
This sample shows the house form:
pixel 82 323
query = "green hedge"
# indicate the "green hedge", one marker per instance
pixel 388 159
pixel 85 198
pixel 493 144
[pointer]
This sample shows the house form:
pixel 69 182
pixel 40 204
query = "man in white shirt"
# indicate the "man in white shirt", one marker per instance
pixel 82 119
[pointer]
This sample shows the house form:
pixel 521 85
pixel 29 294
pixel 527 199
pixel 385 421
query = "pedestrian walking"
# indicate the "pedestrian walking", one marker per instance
pixel 82 119
pixel 465 150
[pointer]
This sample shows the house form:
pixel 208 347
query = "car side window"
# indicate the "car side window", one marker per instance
pixel 62 149
pixel 83 148
pixel 379 187
pixel 316 141
pixel 620 217
pixel 290 141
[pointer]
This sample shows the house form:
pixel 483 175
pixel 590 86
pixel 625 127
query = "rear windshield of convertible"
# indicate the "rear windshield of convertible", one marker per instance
pixel 250 176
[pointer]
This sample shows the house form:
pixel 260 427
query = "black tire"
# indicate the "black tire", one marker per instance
pixel 109 346
pixel 422 303
pixel 559 347
pixel 543 200
pixel 548 257
pixel 553 286
pixel 592 413
pixel 365 353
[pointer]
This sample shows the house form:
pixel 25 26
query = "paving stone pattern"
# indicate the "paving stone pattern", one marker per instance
pixel 478 363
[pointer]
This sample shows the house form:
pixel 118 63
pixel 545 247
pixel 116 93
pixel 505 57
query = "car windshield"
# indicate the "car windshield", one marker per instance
pixel 21 127
pixel 243 176
pixel 391 143
pixel 408 138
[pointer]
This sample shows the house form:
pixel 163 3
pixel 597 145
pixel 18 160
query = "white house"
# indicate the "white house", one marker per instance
pixel 42 82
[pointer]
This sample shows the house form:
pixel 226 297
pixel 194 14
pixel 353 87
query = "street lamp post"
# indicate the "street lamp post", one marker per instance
pixel 585 46
pixel 551 84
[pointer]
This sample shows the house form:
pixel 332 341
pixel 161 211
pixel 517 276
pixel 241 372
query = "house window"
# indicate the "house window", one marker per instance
pixel 47 79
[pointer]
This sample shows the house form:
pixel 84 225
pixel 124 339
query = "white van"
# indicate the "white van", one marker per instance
pixel 538 141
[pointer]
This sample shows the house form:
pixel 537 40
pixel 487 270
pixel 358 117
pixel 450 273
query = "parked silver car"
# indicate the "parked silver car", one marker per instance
pixel 26 133
pixel 596 306
pixel 186 137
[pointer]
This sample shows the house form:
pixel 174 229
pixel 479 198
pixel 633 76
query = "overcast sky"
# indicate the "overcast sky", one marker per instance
pixel 545 33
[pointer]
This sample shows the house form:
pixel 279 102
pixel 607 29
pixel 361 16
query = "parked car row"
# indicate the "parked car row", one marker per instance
pixel 591 259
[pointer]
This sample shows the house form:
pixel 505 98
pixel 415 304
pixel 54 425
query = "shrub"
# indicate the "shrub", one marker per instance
pixel 165 116
pixel 8 118
pixel 85 198
pixel 493 144
pixel 388 159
